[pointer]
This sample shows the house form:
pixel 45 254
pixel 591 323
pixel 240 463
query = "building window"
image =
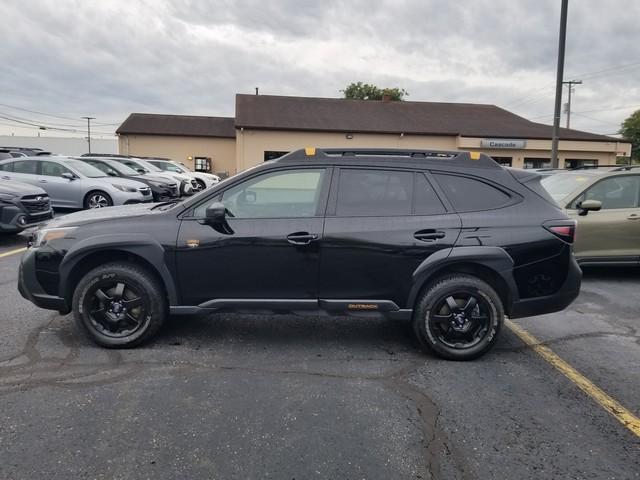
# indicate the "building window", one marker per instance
pixel 272 155
pixel 537 162
pixel 582 163
pixel 202 164
pixel 504 161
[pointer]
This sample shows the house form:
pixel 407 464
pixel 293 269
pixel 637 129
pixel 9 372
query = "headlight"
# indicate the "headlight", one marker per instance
pixel 45 235
pixel 123 188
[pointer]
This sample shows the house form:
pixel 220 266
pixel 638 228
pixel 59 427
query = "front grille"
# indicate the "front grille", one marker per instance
pixel 36 203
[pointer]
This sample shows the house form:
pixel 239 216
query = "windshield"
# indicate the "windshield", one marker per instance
pixel 562 184
pixel 147 165
pixel 85 169
pixel 122 168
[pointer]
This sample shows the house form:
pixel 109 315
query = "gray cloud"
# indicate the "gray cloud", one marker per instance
pixel 110 58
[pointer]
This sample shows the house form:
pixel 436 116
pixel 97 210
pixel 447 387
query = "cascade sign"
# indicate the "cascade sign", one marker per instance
pixel 502 143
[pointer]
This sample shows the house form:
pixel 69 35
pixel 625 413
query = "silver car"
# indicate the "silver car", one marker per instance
pixel 188 185
pixel 205 180
pixel 72 183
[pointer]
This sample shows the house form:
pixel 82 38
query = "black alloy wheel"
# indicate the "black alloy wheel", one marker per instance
pixel 460 320
pixel 119 304
pixel 458 317
pixel 117 309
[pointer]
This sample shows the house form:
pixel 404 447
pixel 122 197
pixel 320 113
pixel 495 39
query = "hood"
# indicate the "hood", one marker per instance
pixel 18 188
pixel 125 182
pixel 100 215
pixel 157 179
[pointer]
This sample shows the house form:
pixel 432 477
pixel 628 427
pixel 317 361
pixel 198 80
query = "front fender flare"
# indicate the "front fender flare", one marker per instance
pixel 140 245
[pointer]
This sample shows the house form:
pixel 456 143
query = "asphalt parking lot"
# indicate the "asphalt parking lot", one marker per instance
pixel 231 396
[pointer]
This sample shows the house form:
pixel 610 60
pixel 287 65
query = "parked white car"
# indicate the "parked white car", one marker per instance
pixel 188 185
pixel 205 180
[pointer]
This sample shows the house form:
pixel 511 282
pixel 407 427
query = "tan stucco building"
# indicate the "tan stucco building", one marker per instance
pixel 267 126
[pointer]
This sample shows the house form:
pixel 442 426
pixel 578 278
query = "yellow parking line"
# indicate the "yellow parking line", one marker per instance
pixel 13 252
pixel 611 405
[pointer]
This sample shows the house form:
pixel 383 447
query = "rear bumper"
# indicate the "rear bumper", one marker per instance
pixel 30 288
pixel 551 303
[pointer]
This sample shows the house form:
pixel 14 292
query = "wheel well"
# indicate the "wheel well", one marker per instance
pixel 101 257
pixel 477 270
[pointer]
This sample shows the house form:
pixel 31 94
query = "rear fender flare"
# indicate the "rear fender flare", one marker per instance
pixel 494 258
pixel 140 245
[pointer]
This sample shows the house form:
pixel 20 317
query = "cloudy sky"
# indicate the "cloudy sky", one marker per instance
pixel 64 59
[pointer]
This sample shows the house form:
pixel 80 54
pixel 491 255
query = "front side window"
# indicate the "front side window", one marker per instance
pixel 285 194
pixel 468 194
pixel 26 166
pixel 52 169
pixel 615 192
pixel 374 193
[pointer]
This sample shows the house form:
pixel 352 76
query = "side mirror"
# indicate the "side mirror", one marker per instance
pixel 68 176
pixel 215 213
pixel 141 170
pixel 112 173
pixel 589 206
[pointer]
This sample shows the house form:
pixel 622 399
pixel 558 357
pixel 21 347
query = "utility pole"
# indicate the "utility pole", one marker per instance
pixel 570 85
pixel 89 131
pixel 560 73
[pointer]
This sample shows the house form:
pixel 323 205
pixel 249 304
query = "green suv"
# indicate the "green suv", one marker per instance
pixel 606 204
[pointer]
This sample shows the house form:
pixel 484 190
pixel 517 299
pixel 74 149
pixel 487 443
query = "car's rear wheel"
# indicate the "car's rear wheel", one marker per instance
pixel 119 305
pixel 97 199
pixel 458 317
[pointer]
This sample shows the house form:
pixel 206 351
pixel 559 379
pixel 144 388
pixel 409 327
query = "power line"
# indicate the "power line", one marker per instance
pixel 54 116
pixel 43 127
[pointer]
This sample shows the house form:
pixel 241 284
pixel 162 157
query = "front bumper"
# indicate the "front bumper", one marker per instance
pixel 30 288
pixel 14 219
pixel 128 198
pixel 551 303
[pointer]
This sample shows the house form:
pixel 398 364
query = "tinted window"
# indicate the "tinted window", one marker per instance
pixel 294 193
pixel 374 193
pixel 26 166
pixel 615 192
pixel 468 194
pixel 7 167
pixel 52 169
pixel 425 199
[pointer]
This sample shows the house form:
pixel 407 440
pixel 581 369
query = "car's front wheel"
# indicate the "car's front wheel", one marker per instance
pixel 458 317
pixel 97 199
pixel 201 184
pixel 119 305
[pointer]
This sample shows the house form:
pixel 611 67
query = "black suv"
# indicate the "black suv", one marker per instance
pixel 22 205
pixel 449 240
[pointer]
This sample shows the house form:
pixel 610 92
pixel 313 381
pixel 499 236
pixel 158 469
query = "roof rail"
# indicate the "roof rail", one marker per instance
pixel 621 168
pixel 593 167
pixel 476 159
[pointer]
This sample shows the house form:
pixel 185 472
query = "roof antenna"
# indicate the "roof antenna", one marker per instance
pixel 257 91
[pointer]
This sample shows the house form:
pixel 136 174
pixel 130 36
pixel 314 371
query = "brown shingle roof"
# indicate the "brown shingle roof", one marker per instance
pixel 424 118
pixel 181 125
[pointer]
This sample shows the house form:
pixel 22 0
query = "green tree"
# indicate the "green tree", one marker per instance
pixel 630 131
pixel 366 91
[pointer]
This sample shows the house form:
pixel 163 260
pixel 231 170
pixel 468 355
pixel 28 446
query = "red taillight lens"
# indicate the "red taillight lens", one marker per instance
pixel 566 232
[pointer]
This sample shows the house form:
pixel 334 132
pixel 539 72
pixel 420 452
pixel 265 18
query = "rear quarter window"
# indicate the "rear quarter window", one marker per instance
pixel 468 194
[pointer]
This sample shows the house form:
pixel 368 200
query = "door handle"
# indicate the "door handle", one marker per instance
pixel 633 216
pixel 6 177
pixel 428 235
pixel 301 238
pixel 43 181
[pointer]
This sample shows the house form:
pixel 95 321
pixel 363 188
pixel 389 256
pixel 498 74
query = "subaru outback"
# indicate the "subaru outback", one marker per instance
pixel 450 241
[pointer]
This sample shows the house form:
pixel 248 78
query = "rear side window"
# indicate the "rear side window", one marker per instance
pixel 26 166
pixel 614 192
pixel 374 193
pixel 468 194
pixel 425 199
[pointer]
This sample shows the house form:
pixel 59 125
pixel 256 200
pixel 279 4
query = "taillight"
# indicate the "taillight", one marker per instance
pixel 564 231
